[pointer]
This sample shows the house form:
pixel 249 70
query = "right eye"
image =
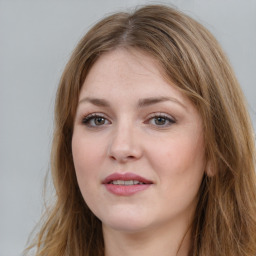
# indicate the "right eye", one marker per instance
pixel 95 120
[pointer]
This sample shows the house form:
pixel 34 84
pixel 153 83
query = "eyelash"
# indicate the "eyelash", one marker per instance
pixel 167 118
pixel 87 119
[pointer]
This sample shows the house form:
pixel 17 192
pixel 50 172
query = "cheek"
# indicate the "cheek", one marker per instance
pixel 86 162
pixel 86 152
pixel 179 156
pixel 86 157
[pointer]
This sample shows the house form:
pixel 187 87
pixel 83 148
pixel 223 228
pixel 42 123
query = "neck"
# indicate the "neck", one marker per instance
pixel 171 241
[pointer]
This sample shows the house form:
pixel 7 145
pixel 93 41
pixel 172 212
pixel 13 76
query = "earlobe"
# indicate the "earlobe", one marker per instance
pixel 209 170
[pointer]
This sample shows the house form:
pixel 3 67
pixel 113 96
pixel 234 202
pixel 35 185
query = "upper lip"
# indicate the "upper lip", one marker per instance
pixel 125 176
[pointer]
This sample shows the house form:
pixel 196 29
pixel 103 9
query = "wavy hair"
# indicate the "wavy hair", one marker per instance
pixel 190 57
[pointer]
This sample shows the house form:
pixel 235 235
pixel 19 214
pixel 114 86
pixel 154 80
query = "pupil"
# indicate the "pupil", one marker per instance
pixel 99 120
pixel 160 120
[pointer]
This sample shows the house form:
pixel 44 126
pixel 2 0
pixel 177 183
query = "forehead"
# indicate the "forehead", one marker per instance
pixel 124 70
pixel 124 62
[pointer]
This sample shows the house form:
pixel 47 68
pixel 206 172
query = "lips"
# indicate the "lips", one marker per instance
pixel 126 184
pixel 125 177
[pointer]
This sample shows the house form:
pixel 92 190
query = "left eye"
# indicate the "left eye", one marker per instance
pixel 95 120
pixel 161 121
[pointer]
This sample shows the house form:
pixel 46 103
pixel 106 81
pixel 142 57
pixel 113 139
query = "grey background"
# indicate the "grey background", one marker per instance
pixel 36 39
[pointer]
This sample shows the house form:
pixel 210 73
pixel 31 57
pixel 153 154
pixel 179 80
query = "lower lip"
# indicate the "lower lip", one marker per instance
pixel 121 190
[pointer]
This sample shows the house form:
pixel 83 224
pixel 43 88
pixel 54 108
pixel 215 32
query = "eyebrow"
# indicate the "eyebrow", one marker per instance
pixel 141 103
pixel 95 101
pixel 154 100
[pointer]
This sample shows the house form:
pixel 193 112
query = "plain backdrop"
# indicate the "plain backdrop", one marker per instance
pixel 36 40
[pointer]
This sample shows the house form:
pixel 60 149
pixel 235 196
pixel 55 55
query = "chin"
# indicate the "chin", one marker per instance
pixel 125 222
pixel 127 227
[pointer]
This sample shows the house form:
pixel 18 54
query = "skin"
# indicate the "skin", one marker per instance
pixel 127 137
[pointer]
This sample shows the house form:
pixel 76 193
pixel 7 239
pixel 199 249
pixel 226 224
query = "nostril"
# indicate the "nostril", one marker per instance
pixel 124 150
pixel 123 158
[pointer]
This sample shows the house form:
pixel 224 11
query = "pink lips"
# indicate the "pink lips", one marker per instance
pixel 140 183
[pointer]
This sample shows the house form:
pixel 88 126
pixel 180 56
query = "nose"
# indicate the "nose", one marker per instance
pixel 125 144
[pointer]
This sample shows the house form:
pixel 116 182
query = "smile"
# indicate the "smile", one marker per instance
pixel 126 184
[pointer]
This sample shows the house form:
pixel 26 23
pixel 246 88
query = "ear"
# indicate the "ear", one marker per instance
pixel 210 172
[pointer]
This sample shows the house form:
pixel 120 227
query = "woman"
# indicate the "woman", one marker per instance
pixel 153 149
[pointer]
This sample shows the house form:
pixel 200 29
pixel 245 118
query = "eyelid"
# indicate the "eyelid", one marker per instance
pixel 94 114
pixel 86 118
pixel 161 114
pixel 171 120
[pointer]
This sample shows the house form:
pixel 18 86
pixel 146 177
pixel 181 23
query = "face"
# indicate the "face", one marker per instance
pixel 137 145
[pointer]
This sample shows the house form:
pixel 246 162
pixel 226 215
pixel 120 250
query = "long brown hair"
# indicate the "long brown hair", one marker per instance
pixel 190 57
